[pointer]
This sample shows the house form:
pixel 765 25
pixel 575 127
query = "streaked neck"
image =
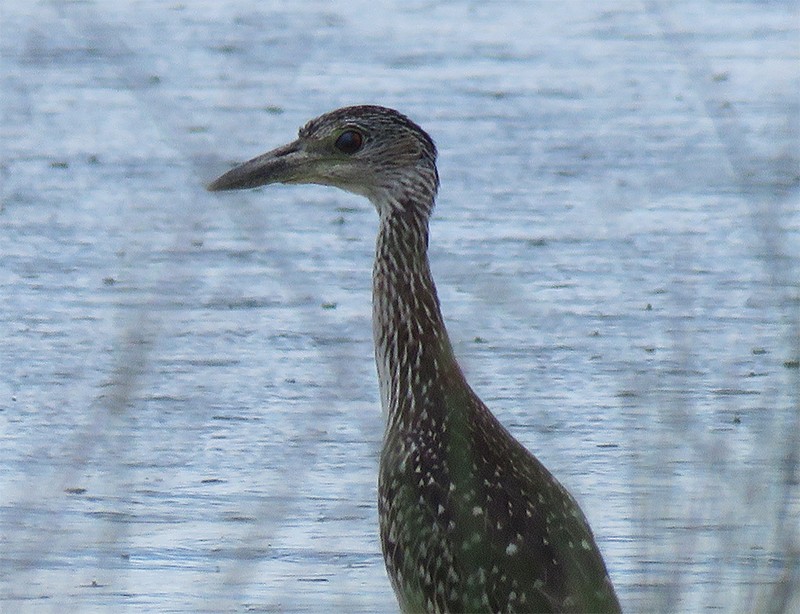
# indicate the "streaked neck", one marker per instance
pixel 412 350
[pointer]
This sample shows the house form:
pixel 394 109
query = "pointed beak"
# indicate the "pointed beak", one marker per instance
pixel 282 165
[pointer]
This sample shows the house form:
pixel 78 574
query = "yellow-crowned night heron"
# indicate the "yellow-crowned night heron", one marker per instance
pixel 470 520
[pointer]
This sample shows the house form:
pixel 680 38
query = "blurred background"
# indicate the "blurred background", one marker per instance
pixel 189 413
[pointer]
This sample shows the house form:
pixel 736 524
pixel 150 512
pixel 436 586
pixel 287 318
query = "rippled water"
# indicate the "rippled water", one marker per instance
pixel 188 404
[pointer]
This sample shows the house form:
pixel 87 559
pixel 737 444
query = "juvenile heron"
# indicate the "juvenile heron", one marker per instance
pixel 470 520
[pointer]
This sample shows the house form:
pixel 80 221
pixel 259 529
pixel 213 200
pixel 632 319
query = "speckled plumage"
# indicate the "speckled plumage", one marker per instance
pixel 470 520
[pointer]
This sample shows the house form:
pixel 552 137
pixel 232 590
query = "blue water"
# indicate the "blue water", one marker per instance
pixel 188 404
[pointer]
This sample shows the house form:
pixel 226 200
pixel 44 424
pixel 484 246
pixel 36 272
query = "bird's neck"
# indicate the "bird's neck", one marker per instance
pixel 413 353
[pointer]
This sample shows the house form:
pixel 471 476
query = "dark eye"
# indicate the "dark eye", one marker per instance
pixel 349 142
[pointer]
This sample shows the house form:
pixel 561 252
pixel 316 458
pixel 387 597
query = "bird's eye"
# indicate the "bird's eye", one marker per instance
pixel 349 142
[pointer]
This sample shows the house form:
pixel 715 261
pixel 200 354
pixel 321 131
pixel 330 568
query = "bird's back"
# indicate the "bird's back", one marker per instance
pixel 472 522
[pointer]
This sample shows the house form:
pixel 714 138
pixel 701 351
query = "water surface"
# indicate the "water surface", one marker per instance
pixel 188 403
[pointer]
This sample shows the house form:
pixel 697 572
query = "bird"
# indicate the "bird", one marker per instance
pixel 470 520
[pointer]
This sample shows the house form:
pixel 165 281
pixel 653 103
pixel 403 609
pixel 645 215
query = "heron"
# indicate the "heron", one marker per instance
pixel 470 520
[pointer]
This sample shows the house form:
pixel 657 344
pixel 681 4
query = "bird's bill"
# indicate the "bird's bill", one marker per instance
pixel 281 165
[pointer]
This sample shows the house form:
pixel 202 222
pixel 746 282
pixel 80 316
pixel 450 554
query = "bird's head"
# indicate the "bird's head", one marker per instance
pixel 368 150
